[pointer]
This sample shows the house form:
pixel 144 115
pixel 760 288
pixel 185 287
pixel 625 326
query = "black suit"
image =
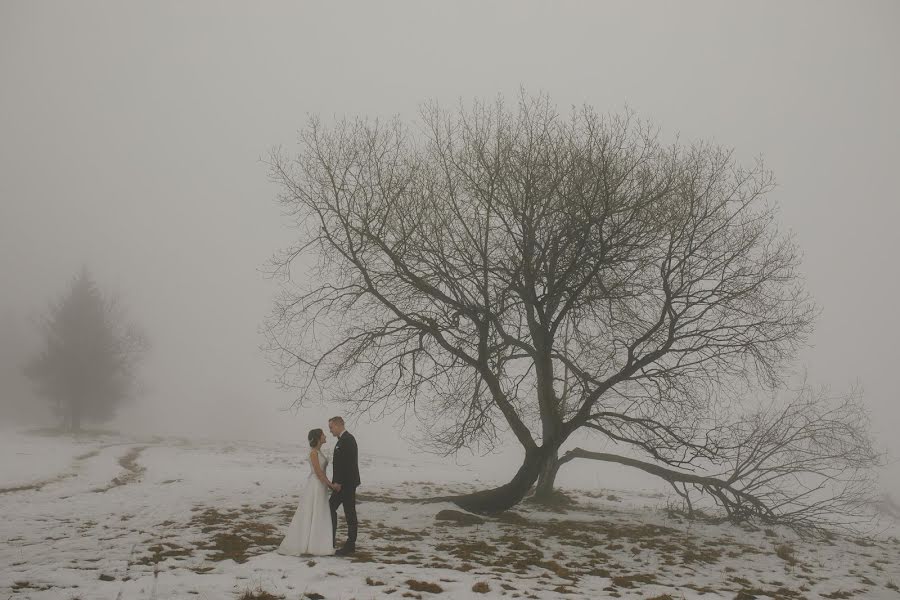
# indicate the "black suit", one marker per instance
pixel 345 471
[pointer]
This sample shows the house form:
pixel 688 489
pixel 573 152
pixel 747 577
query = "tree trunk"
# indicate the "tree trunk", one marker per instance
pixel 508 495
pixel 547 479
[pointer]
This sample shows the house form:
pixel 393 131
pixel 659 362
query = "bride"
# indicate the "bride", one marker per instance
pixel 310 529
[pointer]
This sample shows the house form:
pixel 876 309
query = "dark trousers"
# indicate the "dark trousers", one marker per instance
pixel 347 497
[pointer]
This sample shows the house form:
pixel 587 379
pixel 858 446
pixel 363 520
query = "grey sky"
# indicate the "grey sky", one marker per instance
pixel 130 136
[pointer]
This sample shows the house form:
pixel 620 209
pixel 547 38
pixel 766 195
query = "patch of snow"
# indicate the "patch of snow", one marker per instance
pixel 201 519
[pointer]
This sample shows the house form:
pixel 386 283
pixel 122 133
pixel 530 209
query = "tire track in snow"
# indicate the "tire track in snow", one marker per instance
pixel 133 470
pixel 72 472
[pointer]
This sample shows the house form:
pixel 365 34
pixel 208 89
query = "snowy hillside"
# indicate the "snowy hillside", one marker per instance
pixel 110 517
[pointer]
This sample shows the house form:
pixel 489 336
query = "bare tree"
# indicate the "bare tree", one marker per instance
pixel 516 270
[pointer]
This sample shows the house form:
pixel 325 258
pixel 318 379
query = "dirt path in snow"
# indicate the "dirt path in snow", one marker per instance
pixel 132 471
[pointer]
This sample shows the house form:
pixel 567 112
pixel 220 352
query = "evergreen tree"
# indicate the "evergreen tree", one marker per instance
pixel 87 365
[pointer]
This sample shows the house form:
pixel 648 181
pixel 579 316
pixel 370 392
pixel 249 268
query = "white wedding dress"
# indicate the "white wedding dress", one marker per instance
pixel 310 529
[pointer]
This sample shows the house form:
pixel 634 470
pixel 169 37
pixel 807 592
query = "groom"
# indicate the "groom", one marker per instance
pixel 345 477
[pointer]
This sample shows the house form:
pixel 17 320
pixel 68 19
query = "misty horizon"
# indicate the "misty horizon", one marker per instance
pixel 132 139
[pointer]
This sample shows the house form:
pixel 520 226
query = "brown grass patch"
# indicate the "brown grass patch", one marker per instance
pixel 424 586
pixel 394 534
pixel 258 594
pixel 27 585
pixel 786 553
pixel 160 552
pixel 511 518
pixel 628 581
pixel 362 556
pixel 261 595
pixel 700 555
pixel 237 533
pixel 469 551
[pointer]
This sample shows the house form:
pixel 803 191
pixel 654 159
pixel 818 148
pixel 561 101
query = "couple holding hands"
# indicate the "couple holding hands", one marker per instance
pixel 314 526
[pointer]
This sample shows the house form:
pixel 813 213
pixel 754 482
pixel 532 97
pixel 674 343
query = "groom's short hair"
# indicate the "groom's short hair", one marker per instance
pixel 338 420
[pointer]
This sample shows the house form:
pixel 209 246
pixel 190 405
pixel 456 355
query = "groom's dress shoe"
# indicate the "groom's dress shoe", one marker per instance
pixel 345 550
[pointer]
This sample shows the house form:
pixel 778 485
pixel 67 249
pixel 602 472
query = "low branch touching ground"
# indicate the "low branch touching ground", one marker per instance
pixel 808 465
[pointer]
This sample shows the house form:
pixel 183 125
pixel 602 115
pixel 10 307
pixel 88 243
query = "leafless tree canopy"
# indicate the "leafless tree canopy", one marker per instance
pixel 520 269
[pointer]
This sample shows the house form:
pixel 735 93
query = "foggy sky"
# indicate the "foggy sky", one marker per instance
pixel 130 138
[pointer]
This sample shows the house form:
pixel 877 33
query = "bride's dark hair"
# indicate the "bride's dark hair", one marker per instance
pixel 314 436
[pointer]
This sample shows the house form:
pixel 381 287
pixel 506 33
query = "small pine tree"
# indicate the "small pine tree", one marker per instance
pixel 88 362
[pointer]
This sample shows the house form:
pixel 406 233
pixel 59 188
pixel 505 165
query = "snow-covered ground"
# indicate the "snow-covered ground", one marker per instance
pixel 120 518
